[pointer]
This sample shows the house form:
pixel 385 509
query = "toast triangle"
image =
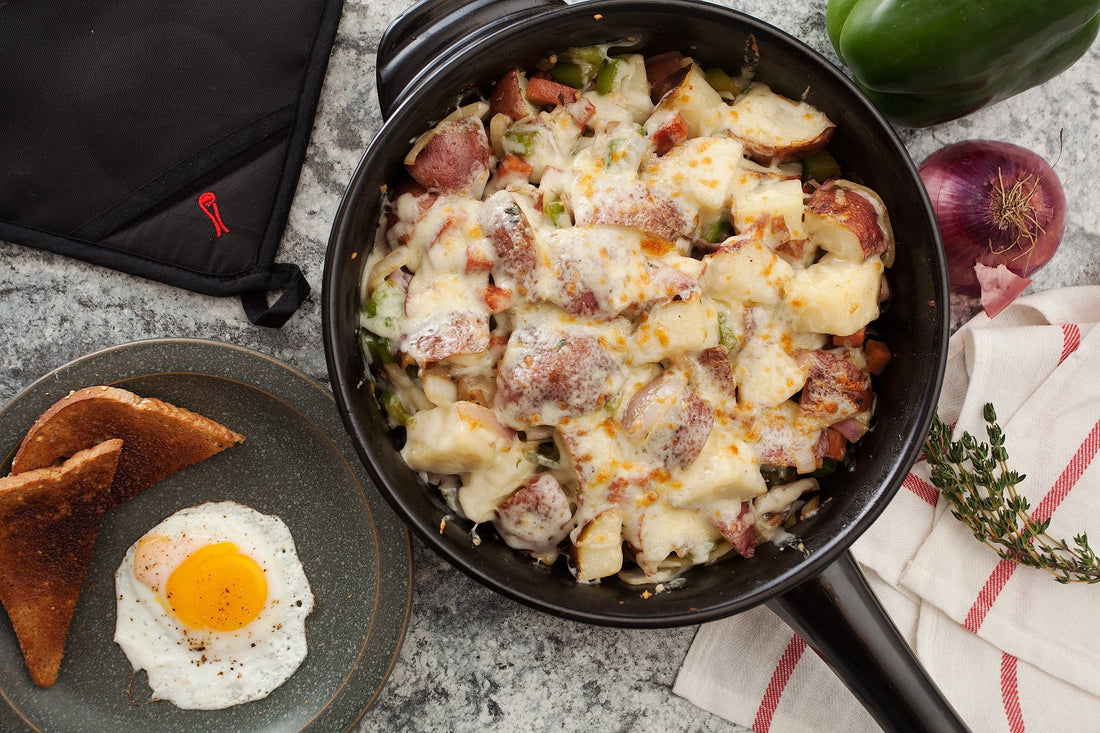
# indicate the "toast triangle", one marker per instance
pixel 158 438
pixel 49 520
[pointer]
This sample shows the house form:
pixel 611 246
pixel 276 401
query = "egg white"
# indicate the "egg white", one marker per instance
pixel 206 669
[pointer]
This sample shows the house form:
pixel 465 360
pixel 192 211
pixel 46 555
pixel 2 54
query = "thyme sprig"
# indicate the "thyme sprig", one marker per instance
pixel 975 478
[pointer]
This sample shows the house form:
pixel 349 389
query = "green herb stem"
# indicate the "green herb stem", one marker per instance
pixel 976 479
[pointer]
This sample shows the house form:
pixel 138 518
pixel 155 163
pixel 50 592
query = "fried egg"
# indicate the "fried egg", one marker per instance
pixel 212 604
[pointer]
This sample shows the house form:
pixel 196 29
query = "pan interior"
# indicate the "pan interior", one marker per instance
pixel 913 324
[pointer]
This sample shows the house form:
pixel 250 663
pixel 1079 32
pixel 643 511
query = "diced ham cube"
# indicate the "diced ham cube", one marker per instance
pixel 853 340
pixel 878 356
pixel 496 299
pixel 832 445
pixel 550 93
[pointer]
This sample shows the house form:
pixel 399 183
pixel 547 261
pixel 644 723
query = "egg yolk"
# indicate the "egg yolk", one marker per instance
pixel 217 587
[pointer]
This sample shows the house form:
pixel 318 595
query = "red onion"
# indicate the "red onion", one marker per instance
pixel 996 204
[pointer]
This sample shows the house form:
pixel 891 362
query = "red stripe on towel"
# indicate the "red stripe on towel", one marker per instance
pixel 778 682
pixel 922 488
pixel 1077 465
pixel 988 594
pixel 1010 694
pixel 1071 339
pixel 1066 481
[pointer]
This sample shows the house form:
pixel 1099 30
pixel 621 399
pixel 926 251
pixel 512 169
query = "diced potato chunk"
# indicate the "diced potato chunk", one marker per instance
pixel 599 545
pixel 483 490
pixel 453 438
pixel 766 374
pixel 777 129
pixel 665 530
pixel 700 170
pixel 834 295
pixel 850 221
pixel 696 101
pixel 748 272
pixel 767 205
pixel 726 468
pixel 535 518
pixel 676 328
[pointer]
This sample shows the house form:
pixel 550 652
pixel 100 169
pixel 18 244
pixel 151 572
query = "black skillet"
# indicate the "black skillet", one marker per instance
pixel 437 52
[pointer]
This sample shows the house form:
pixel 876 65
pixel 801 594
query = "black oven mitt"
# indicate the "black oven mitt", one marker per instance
pixel 163 138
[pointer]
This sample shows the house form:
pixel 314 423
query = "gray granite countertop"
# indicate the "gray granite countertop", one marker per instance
pixel 473 660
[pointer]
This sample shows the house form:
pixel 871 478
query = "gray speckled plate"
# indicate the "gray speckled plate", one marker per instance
pixel 296 463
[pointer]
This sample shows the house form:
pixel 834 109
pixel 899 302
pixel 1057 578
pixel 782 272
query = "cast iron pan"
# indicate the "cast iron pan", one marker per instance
pixel 439 51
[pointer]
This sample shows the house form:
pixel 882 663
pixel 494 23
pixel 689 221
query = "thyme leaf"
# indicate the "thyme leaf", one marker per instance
pixel 976 480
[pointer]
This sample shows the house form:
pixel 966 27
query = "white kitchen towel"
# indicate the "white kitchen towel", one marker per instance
pixel 1011 648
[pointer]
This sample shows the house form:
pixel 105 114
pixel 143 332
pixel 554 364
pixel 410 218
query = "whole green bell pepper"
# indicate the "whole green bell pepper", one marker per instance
pixel 923 62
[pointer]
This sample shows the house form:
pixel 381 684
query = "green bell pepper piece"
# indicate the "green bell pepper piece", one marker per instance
pixel 555 210
pixel 569 74
pixel 609 74
pixel 521 142
pixel 923 62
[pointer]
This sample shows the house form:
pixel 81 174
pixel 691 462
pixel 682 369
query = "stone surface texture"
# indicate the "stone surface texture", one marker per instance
pixel 473 660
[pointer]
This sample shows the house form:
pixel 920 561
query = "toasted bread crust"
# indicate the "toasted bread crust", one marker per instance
pixel 49 520
pixel 159 438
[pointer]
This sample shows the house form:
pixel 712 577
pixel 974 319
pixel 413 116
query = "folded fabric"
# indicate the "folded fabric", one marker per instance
pixel 1011 648
pixel 163 139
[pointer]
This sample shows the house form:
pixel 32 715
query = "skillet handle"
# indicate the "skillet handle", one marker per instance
pixel 841 619
pixel 419 36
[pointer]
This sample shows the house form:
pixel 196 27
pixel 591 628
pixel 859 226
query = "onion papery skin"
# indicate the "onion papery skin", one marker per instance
pixel 964 180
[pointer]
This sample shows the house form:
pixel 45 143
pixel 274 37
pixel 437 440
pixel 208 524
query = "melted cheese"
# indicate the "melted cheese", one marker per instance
pixel 665 374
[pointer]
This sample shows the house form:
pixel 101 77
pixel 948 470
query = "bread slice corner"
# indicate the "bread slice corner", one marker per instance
pixel 49 520
pixel 159 438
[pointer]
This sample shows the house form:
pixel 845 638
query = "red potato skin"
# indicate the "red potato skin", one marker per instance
pixel 462 334
pixel 650 211
pixel 538 512
pixel 670 133
pixel 508 230
pixel 767 154
pixel 678 436
pixel 835 387
pixel 539 369
pixel 454 158
pixel 738 530
pixel 692 433
pixel 853 212
pixel 507 97
pixel 714 364
pixel 660 71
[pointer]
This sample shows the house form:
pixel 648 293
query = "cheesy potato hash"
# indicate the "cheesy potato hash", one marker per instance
pixel 620 311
